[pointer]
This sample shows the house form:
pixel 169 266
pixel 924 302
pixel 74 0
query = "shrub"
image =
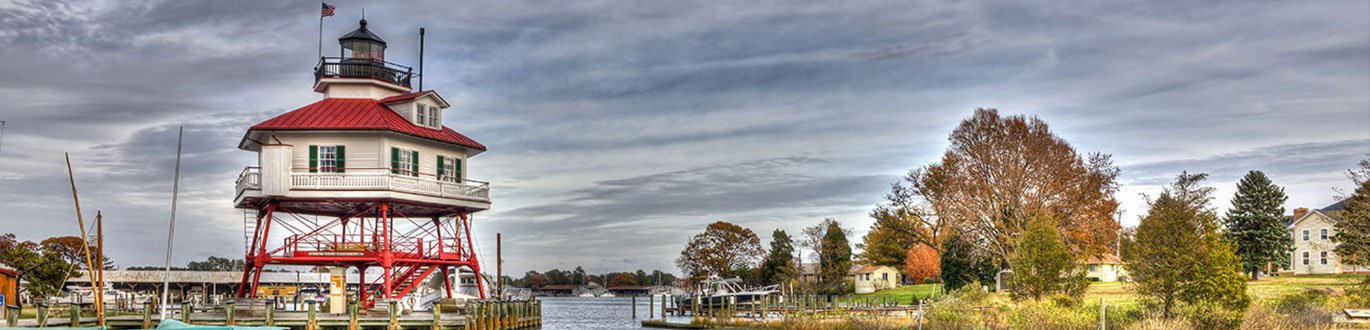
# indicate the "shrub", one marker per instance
pixel 1213 316
pixel 1047 315
pixel 970 293
pixel 930 280
pixel 1065 301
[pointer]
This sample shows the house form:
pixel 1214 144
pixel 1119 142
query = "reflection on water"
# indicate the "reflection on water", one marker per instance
pixel 573 313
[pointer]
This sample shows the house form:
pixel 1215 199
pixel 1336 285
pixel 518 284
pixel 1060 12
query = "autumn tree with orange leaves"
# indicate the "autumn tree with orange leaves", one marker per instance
pixel 721 248
pixel 922 262
pixel 997 174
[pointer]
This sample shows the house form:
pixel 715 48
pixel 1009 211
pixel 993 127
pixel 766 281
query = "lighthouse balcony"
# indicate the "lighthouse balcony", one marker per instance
pixel 255 185
pixel 363 68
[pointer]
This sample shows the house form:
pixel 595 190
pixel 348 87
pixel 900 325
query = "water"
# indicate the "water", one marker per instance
pixel 574 313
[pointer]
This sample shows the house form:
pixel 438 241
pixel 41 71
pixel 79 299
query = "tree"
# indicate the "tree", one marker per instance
pixel 1041 262
pixel 904 219
pixel 70 248
pixel 834 259
pixel 623 279
pixel 884 246
pixel 922 262
pixel 1000 172
pixel 1353 225
pixel 558 277
pixel 1177 247
pixel 1216 278
pixel 44 270
pixel 779 265
pixel 578 276
pixel 721 248
pixel 813 237
pixel 961 263
pixel 534 279
pixel 1256 224
pixel 216 264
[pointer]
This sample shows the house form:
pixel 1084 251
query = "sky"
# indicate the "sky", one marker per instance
pixel 618 129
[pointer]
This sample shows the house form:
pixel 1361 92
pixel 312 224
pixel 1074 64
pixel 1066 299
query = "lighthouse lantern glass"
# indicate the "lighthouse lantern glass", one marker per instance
pixel 363 49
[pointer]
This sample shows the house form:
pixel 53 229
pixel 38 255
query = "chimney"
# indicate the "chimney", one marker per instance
pixel 1300 212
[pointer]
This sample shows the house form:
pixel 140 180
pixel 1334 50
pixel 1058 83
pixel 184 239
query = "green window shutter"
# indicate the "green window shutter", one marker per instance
pixel 313 159
pixel 394 160
pixel 414 163
pixel 456 169
pixel 440 169
pixel 341 164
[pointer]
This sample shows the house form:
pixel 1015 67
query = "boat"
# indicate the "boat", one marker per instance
pixel 717 293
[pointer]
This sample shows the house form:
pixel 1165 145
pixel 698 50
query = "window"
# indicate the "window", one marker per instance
pixel 1323 233
pixel 1305 257
pixel 1093 268
pixel 449 169
pixel 403 161
pixel 885 276
pixel 326 159
pixel 422 113
pixel 1323 256
pixel 1305 234
pixel 433 117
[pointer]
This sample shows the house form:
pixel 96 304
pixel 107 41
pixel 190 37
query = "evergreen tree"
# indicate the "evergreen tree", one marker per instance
pixel 1177 252
pixel 1256 224
pixel 779 266
pixel 834 259
pixel 960 265
pixel 1353 225
pixel 1042 263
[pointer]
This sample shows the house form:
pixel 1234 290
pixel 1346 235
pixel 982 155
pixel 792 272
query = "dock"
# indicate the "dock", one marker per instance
pixel 482 315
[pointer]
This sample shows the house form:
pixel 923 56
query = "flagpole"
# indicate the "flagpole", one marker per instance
pixel 320 37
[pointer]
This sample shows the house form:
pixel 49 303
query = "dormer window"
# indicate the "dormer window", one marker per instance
pixel 422 112
pixel 433 118
pixel 427 116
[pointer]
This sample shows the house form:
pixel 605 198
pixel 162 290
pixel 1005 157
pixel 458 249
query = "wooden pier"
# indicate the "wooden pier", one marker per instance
pixel 475 315
pixel 792 305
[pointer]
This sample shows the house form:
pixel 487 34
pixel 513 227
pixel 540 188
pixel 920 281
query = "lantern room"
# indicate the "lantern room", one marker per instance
pixel 362 45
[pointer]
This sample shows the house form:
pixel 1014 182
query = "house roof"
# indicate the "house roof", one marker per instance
pixel 414 95
pixel 358 115
pixel 1106 259
pixel 559 287
pixel 1338 206
pixel 867 269
pixel 5 269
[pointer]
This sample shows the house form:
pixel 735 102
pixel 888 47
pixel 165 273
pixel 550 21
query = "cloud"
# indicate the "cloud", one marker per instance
pixel 618 129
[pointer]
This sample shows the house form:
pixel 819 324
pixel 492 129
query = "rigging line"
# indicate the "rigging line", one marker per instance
pixel 2 133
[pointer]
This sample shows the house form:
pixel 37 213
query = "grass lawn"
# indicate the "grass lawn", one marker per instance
pixel 1120 293
pixel 908 293
pixel 1269 288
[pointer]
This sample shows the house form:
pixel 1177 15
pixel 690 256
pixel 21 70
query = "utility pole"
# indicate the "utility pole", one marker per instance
pixel 499 266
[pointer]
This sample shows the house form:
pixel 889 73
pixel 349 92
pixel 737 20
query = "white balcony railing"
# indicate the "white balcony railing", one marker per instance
pixel 374 180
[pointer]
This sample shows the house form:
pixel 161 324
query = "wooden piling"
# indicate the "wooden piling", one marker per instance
pixel 634 306
pixel 394 309
pixel 11 315
pixel 437 316
pixel 229 312
pixel 313 322
pixel 185 311
pixel 74 313
pixel 271 313
pixel 352 314
pixel 651 306
pixel 43 315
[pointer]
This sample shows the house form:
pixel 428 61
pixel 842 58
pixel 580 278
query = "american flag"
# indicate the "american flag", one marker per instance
pixel 327 10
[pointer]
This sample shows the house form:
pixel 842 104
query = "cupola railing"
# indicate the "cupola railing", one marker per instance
pixel 338 67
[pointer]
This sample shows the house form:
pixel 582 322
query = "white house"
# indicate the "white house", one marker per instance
pixel 1313 247
pixel 1106 269
pixel 875 278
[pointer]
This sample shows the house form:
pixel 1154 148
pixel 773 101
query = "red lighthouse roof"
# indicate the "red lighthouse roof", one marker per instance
pixel 359 115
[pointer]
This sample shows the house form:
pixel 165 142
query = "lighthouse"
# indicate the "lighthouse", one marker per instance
pixel 366 178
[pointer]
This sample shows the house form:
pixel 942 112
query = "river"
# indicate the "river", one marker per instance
pixel 574 313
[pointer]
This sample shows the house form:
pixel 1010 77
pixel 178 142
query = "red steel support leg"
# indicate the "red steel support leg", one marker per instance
pixel 261 251
pixel 249 267
pixel 361 288
pixel 447 282
pixel 387 258
pixel 475 262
